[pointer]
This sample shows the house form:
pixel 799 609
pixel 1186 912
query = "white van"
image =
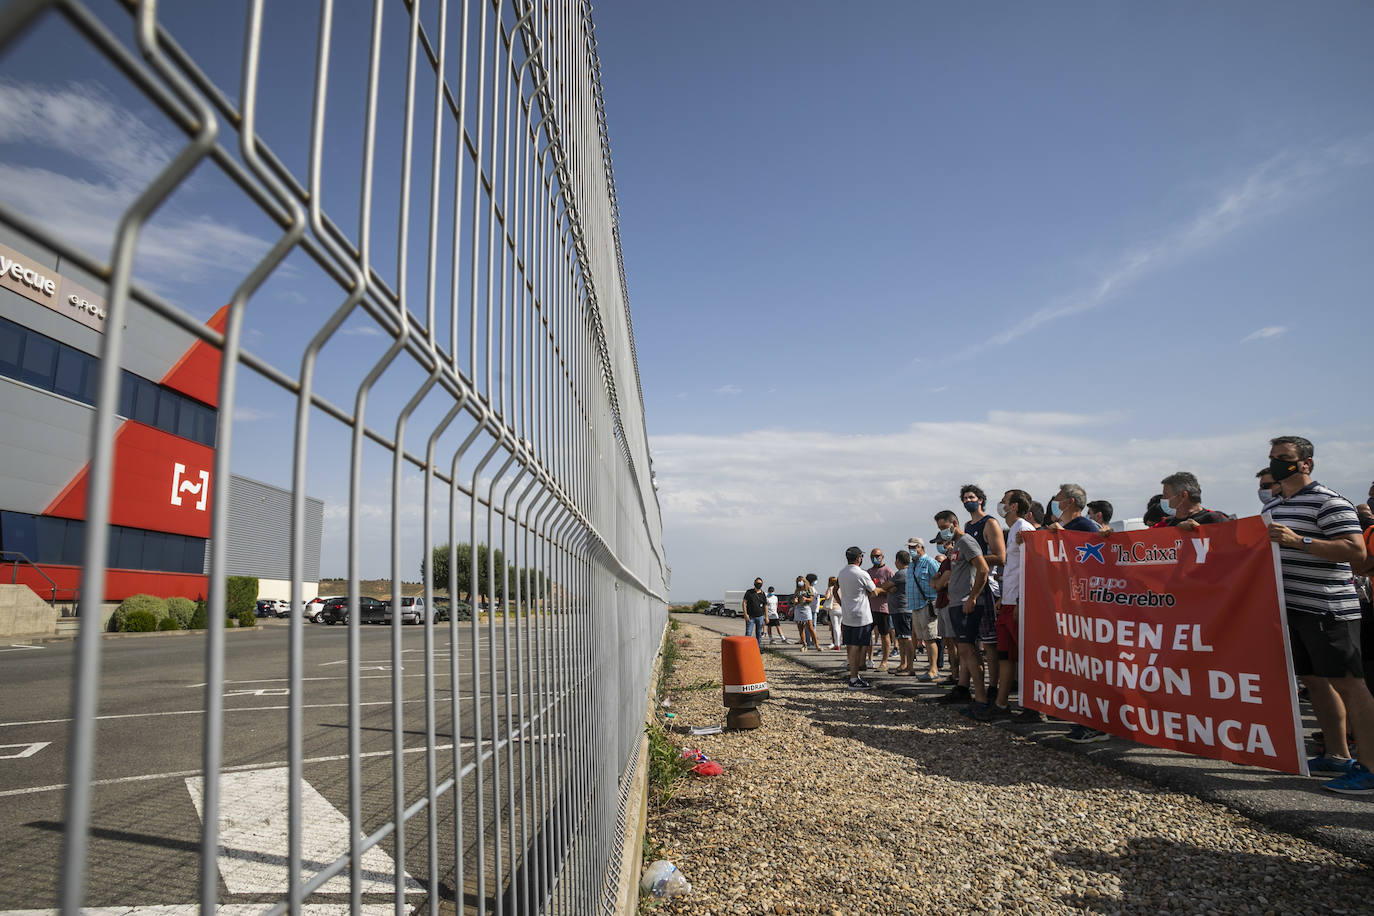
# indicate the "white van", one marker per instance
pixel 734 602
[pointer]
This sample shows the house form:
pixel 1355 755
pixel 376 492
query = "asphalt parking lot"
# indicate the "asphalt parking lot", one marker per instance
pixel 146 803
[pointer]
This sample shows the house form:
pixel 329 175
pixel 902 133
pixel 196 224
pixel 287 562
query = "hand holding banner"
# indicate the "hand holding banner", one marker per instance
pixel 1169 638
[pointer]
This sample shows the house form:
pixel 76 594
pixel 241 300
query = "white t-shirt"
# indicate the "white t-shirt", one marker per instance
pixel 772 607
pixel 1011 573
pixel 855 586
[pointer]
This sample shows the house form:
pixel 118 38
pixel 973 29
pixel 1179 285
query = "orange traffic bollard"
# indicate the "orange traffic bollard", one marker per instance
pixel 742 679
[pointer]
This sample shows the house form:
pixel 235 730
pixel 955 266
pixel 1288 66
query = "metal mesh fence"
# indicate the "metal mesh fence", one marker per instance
pixel 478 241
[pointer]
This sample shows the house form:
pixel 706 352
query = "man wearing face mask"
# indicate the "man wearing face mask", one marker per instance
pixel 1319 541
pixel 985 529
pixel 968 579
pixel 880 573
pixel 755 610
pixel 1268 489
pixel 1182 503
pixel 1068 506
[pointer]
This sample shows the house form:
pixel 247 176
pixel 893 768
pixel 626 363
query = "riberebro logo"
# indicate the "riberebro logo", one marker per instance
pixel 181 483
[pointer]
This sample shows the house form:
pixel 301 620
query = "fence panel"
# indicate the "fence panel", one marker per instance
pixel 431 185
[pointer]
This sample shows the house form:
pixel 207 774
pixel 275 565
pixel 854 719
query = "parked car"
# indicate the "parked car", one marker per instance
pixel 716 609
pixel 282 607
pixel 265 608
pixel 370 610
pixel 313 608
pixel 412 609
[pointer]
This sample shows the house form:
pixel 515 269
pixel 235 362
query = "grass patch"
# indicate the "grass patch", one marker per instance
pixel 666 766
pixel 703 684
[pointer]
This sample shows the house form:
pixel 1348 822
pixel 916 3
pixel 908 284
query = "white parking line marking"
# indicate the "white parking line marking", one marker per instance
pixel 28 750
pixel 20 648
pixel 261 692
pixel 252 833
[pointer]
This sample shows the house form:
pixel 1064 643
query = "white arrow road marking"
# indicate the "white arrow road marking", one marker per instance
pixel 28 750
pixel 229 909
pixel 252 836
pixel 19 648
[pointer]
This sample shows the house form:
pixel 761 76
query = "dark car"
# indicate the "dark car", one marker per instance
pixel 443 609
pixel 370 610
pixel 265 608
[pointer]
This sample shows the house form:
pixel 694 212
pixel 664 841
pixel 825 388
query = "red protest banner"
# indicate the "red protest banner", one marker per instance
pixel 1171 638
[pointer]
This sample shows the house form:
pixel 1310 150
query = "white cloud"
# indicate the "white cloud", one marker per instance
pixel 113 155
pixel 363 330
pixel 1273 330
pixel 775 502
pixel 1267 189
pixel 251 414
pixel 729 389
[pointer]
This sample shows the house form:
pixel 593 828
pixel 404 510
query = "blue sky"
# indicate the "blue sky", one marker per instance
pixel 878 251
pixel 874 251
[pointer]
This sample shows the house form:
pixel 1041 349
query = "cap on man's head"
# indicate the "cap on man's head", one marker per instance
pixel 853 553
pixel 913 543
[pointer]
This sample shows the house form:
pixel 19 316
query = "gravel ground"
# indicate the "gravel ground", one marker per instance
pixel 849 802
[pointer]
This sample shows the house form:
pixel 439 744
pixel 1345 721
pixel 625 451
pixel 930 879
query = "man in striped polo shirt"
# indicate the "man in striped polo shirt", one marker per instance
pixel 1319 538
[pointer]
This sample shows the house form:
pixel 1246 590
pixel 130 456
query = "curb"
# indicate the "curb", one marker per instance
pixel 41 640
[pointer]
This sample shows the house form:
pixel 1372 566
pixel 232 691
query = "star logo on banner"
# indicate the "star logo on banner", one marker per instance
pixel 1091 550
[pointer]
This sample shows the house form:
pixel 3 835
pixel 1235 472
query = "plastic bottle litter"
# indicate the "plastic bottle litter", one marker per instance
pixel 662 879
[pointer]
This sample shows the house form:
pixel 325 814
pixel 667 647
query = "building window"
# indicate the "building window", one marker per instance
pixel 46 539
pixel 53 366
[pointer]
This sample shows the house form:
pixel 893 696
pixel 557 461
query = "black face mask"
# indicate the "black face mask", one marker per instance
pixel 1282 468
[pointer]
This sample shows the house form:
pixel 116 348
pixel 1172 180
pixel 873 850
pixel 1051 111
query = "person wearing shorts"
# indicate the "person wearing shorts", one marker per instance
pixel 1016 509
pixel 802 600
pixel 949 648
pixel 921 601
pixel 856 618
pixel 1318 534
pixel 898 614
pixel 968 579
pixel 880 573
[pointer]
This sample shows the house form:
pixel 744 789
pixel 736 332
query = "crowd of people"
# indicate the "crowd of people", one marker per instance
pixel 954 602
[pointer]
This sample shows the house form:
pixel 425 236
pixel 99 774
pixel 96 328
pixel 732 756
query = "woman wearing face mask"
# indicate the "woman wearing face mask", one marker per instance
pixel 801 613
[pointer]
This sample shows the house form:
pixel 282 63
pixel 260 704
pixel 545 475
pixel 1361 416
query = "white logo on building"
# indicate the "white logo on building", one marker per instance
pixel 181 483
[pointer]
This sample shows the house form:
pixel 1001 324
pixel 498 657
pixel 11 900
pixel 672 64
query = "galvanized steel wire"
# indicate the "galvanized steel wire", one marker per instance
pixel 539 373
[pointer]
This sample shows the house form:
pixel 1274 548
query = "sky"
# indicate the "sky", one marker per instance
pixel 873 251
pixel 879 251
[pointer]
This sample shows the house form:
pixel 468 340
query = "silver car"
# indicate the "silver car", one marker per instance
pixel 412 609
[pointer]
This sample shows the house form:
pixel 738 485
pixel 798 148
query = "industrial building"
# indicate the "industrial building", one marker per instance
pixel 51 322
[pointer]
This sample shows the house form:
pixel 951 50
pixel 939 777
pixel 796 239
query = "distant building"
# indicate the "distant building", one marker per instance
pixel 51 322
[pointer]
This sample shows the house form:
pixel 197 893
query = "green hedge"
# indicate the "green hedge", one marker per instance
pixel 169 623
pixel 240 595
pixel 146 604
pixel 182 610
pixel 200 617
pixel 139 621
pixel 248 618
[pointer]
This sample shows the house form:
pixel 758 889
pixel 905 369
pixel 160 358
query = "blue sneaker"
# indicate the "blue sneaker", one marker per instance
pixel 1359 781
pixel 1332 766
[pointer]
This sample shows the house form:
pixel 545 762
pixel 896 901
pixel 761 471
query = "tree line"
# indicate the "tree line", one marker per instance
pixel 528 581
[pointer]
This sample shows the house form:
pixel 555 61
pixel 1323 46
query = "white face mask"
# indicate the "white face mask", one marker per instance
pixel 1264 496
